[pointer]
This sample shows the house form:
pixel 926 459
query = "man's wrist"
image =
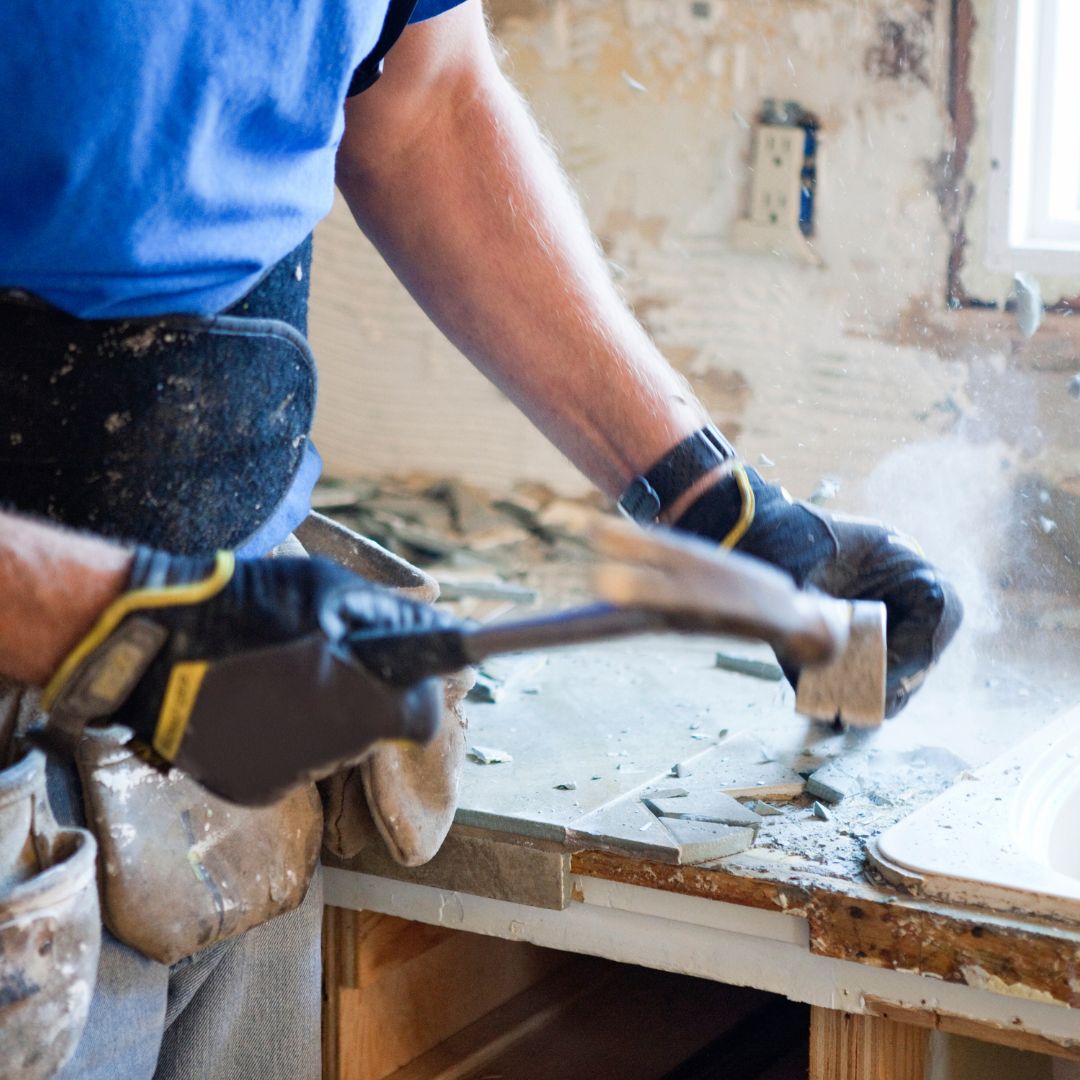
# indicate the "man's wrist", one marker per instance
pixel 73 614
pixel 55 586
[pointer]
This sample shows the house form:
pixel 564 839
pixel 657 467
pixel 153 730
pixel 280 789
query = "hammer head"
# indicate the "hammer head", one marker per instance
pixel 851 686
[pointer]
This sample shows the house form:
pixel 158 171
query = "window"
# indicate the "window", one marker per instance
pixel 1034 220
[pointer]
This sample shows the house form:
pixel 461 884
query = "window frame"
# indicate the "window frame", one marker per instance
pixel 1022 232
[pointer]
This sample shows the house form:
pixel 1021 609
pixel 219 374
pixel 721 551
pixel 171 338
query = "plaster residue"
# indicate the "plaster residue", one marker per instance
pixel 981 979
pixel 124 778
pixel 650 103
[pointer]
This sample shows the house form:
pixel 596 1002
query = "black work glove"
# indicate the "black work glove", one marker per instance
pixel 849 558
pixel 240 672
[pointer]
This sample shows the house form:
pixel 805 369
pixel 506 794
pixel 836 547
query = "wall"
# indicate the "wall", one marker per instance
pixel 648 102
pixel 947 422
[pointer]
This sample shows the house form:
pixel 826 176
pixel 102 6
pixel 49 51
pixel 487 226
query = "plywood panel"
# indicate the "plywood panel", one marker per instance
pixel 394 988
pixel 846 1046
pixel 596 1019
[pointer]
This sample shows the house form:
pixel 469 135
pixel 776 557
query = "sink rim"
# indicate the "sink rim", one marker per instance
pixel 949 848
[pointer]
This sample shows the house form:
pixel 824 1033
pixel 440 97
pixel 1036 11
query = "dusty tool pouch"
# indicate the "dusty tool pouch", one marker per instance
pixel 50 930
pixel 180 869
pixel 180 432
pixel 404 793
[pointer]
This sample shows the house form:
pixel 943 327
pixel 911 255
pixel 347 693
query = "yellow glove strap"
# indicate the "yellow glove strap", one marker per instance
pixel 138 600
pixel 746 515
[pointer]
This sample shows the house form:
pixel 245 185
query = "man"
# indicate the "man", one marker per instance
pixel 161 160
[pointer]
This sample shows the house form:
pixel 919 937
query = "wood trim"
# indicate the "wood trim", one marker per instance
pixel 869 925
pixel 952 1024
pixel 848 1046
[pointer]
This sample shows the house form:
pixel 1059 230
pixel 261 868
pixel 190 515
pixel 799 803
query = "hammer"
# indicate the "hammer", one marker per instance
pixel 657 580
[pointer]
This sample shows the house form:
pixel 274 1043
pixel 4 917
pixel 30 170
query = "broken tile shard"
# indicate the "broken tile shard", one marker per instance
pixel 488 755
pixel 765 809
pixel 702 841
pixel 743 665
pixel 833 783
pixel 486 689
pixel 821 812
pixel 712 806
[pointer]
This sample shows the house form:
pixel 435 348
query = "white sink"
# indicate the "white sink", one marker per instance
pixel 1005 836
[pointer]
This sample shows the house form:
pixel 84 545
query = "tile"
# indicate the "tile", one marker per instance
pixel 626 827
pixel 701 841
pixel 704 806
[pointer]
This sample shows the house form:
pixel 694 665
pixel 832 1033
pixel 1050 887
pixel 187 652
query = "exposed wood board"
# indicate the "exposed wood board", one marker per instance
pixel 872 926
pixel 1020 958
pixel 585 1022
pixel 844 1046
pixel 400 1006
pixel 736 956
pixel 961 1025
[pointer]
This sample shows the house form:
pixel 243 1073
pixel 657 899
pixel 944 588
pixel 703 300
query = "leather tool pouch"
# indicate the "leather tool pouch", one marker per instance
pixel 182 870
pixel 403 793
pixel 50 930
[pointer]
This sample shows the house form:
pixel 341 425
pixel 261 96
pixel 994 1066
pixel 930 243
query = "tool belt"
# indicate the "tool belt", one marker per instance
pixel 189 434
pixel 180 432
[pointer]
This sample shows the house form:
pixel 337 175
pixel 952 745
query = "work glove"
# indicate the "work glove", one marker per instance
pixel 849 558
pixel 241 672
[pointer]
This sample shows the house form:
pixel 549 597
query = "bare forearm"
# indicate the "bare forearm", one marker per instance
pixel 53 586
pixel 476 218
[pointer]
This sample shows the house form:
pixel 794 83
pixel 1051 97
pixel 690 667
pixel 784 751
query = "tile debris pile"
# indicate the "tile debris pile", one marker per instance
pixel 486 552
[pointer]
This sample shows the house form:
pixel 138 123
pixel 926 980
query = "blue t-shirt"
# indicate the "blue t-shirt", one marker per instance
pixel 160 155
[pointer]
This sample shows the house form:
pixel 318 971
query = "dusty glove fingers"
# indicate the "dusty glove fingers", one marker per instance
pixel 923 614
pixel 923 610
pixel 848 558
pixel 366 607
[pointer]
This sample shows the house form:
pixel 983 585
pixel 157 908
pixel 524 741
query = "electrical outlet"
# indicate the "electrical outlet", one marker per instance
pixel 776 187
pixel 782 183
